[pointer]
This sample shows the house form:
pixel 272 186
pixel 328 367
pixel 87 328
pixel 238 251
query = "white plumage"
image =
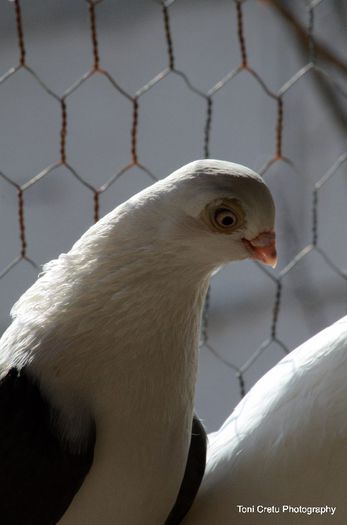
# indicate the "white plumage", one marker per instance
pixel 284 444
pixel 110 330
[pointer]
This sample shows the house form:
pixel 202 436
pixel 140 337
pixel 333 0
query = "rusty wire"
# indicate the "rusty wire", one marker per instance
pixel 306 35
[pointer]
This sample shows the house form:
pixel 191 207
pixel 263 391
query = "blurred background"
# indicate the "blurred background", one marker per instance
pixel 98 99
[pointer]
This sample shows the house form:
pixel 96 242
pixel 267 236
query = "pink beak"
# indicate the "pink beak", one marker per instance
pixel 263 248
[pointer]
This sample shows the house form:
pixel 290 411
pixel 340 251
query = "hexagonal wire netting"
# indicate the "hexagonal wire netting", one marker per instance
pixel 251 112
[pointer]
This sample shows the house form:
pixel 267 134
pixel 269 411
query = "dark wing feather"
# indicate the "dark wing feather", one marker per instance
pixel 38 475
pixel 193 474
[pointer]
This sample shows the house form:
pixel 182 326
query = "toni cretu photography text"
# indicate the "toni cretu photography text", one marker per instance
pixel 286 509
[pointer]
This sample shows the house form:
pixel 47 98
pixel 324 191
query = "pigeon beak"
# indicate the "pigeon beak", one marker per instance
pixel 263 248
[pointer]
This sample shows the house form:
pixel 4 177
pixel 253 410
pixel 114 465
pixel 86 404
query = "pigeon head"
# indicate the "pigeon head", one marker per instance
pixel 216 212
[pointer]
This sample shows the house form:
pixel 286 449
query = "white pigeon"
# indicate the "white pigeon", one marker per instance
pixel 281 457
pixel 99 364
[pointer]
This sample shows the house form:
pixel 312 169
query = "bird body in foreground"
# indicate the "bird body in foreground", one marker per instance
pixel 106 341
pixel 284 444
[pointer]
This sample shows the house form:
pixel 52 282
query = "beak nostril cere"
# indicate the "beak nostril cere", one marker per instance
pixel 263 248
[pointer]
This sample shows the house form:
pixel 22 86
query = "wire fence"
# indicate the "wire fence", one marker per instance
pixel 326 66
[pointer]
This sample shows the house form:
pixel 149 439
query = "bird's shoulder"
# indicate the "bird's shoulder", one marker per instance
pixel 39 474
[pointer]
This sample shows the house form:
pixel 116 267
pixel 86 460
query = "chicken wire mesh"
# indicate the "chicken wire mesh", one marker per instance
pixel 101 99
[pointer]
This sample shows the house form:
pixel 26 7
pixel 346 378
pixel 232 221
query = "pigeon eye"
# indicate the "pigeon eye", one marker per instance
pixel 224 218
pixel 224 215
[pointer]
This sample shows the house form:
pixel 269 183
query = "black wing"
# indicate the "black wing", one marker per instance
pixel 38 475
pixel 193 474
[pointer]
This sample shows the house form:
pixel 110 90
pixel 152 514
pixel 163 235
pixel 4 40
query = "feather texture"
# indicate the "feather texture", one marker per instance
pixel 285 443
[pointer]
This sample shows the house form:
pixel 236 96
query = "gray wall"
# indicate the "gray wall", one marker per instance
pixel 172 117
